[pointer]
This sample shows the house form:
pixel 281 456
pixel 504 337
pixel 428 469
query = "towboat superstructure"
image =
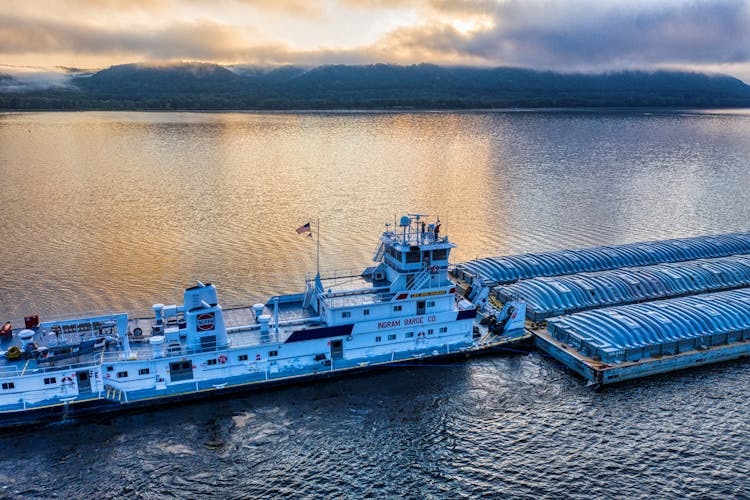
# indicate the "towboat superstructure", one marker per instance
pixel 404 308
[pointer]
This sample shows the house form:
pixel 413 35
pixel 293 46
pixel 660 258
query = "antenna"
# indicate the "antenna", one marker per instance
pixel 418 216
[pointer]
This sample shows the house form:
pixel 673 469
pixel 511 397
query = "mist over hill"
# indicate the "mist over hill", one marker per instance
pixel 197 86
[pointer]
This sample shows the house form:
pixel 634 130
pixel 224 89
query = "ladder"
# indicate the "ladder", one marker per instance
pixel 419 279
pixel 379 252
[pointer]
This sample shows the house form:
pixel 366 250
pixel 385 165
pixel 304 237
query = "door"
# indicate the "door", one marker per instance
pixel 180 370
pixel 84 382
pixel 337 349
pixel 420 307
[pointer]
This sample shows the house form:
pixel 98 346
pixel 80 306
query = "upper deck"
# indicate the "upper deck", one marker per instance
pixel 411 265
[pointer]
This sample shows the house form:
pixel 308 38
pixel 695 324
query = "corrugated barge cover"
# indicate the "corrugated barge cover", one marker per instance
pixel 640 331
pixel 546 297
pixel 511 268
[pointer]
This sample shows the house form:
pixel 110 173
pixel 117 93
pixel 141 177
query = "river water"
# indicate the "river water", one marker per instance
pixel 116 211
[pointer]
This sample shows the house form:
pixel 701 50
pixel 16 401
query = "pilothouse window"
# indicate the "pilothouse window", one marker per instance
pixel 413 255
pixel 441 254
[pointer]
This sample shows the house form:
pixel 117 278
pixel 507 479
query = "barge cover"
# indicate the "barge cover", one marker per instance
pixel 511 268
pixel 553 296
pixel 620 343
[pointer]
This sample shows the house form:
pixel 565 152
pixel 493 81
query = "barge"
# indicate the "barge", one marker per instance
pixel 577 303
pixel 554 296
pixel 403 309
pixel 621 343
pixel 512 268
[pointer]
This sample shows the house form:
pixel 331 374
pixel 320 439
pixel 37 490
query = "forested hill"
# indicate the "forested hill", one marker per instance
pixel 380 86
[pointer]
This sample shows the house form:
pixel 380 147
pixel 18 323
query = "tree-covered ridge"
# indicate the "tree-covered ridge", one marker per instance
pixel 379 86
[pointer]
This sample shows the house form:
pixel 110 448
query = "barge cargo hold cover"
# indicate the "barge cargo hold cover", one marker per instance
pixel 511 268
pixel 553 296
pixel 626 342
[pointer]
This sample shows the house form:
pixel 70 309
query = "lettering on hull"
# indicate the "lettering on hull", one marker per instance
pixel 420 320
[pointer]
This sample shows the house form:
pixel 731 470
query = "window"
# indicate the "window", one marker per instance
pixel 366 312
pixel 397 308
pixel 409 335
pixel 122 374
pixel 110 368
pixel 443 329
pixel 273 353
pixel 50 380
pixel 441 254
pixel 242 357
pixel 392 336
pixel 8 385
pixel 413 255
pixel 430 332
pixel 378 338
pixel 430 303
pixel 346 314
pixel 144 371
pixel 211 362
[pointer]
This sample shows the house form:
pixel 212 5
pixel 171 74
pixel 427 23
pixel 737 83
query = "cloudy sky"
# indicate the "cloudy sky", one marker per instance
pixel 568 35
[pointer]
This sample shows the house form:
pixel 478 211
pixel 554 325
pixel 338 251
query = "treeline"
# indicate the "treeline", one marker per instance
pixel 209 87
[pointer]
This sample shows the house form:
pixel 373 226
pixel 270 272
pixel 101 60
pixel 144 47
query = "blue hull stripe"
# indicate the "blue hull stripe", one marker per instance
pixel 466 314
pixel 320 333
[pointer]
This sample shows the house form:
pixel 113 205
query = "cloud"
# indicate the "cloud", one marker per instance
pixel 26 78
pixel 201 39
pixel 568 35
pixel 565 34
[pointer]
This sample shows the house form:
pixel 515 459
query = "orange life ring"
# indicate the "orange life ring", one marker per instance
pixel 67 380
pixel 222 359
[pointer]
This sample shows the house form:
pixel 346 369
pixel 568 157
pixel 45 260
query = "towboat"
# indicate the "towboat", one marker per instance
pixel 403 309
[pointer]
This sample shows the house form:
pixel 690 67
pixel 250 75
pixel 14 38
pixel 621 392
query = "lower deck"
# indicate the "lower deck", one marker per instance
pixel 111 396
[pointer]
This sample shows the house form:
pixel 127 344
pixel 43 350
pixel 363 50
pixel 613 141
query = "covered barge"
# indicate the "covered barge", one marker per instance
pixel 554 296
pixel 621 343
pixel 614 313
pixel 511 268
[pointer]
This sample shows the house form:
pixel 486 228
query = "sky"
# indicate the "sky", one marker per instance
pixel 562 35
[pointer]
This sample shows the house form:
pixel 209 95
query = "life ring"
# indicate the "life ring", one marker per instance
pixel 420 334
pixel 67 380
pixel 13 353
pixel 44 354
pixel 222 359
pixel 257 357
pixel 434 269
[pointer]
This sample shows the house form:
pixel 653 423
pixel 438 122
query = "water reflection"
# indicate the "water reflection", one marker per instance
pixel 118 210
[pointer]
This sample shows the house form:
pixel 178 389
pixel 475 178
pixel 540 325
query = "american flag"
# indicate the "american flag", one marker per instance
pixel 304 229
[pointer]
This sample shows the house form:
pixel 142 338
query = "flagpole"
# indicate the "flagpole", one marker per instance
pixel 317 257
